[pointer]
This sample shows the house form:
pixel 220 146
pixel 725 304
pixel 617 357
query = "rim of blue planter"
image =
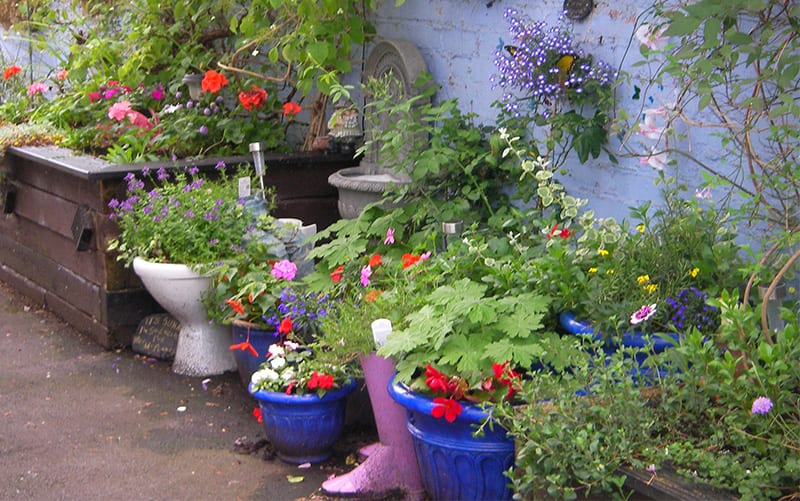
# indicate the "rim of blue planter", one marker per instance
pixel 657 341
pixel 422 403
pixel 309 398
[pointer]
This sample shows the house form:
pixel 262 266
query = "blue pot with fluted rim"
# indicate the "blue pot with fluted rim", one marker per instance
pixel 454 464
pixel 644 344
pixel 303 428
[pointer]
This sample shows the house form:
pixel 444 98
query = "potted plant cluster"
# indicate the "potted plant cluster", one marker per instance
pixel 301 399
pixel 257 295
pixel 576 407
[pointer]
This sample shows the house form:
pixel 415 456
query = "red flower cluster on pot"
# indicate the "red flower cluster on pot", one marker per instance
pixel 456 388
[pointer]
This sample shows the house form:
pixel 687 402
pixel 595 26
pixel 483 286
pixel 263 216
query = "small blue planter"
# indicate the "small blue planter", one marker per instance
pixel 454 464
pixel 303 428
pixel 246 362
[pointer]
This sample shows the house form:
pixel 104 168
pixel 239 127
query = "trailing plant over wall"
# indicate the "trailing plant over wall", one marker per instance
pixel 735 69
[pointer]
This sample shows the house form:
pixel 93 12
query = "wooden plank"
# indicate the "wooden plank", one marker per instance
pixel 88 264
pixel 45 209
pixel 52 276
pixel 76 318
pixel 667 484
pixel 63 184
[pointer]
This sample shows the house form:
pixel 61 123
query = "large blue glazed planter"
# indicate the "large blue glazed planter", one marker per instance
pixel 303 428
pixel 654 343
pixel 246 362
pixel 454 464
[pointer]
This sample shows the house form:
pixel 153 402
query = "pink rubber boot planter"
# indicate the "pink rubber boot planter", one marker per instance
pixel 392 463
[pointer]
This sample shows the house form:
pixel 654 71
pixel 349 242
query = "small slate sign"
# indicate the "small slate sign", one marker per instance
pixel 157 336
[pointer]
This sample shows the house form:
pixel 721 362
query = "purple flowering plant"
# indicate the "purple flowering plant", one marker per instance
pixel 254 288
pixel 181 216
pixel 547 77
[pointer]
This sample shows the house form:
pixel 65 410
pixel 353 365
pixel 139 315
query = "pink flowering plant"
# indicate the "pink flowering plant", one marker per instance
pixel 147 122
pixel 181 216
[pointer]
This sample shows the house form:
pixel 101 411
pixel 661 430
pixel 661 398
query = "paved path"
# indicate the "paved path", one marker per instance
pixel 79 422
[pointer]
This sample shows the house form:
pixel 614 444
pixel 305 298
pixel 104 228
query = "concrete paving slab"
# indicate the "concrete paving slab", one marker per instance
pixel 80 422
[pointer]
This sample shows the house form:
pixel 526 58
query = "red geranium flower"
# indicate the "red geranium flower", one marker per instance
pixel 285 326
pixel 563 233
pixel 336 274
pixel 291 108
pixel 375 260
pixel 436 381
pixel 253 99
pixel 236 305
pixel 213 81
pixel 11 71
pixel 446 407
pixel 409 260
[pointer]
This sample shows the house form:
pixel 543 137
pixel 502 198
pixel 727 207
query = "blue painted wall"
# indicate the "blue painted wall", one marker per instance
pixel 458 38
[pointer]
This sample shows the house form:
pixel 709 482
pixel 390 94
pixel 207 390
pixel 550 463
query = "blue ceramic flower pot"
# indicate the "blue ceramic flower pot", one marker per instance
pixel 656 343
pixel 644 344
pixel 246 362
pixel 454 464
pixel 303 428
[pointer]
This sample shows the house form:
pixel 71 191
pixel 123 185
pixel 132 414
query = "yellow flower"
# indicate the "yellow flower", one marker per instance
pixel 602 252
pixel 694 271
pixel 609 272
pixel 640 228
pixel 643 279
pixel 651 288
pixel 792 290
pixel 592 270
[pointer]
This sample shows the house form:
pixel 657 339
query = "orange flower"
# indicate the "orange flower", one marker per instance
pixel 285 326
pixel 244 346
pixel 236 305
pixel 11 71
pixel 213 81
pixel 336 274
pixel 409 260
pixel 291 109
pixel 375 260
pixel 372 295
pixel 253 99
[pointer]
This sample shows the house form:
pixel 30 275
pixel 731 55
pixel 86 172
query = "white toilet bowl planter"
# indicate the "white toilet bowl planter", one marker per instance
pixel 203 349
